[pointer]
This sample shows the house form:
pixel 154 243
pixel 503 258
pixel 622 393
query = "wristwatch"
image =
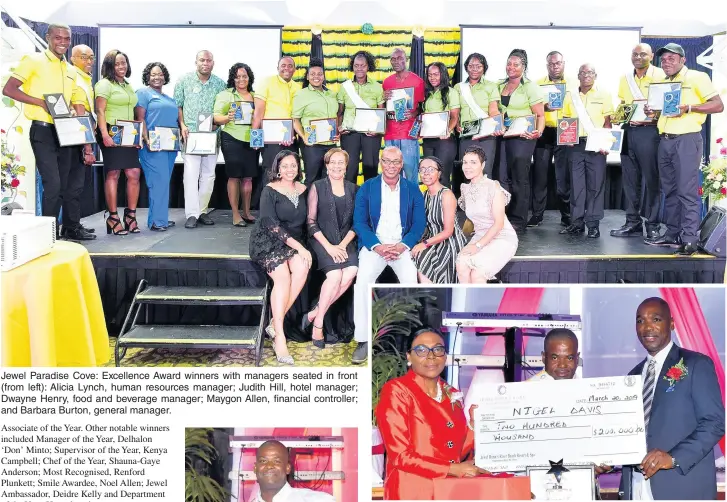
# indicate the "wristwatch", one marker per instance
pixel 674 463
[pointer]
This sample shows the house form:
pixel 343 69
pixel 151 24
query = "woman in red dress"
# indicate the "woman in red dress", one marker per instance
pixel 423 425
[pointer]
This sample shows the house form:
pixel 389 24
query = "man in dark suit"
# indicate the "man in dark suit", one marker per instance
pixel 683 412
pixel 389 220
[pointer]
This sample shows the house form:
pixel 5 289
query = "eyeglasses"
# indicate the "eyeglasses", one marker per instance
pixel 424 351
pixel 427 170
pixel 389 162
pixel 87 58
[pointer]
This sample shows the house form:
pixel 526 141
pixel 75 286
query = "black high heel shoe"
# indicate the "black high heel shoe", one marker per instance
pixel 130 221
pixel 306 320
pixel 320 344
pixel 113 224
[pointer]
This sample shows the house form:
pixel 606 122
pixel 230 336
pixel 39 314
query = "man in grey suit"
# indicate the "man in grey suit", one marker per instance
pixel 683 413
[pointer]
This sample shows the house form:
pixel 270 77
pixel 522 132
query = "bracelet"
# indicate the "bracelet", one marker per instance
pixel 426 243
pixel 689 108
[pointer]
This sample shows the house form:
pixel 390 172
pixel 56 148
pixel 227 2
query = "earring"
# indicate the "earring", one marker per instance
pixel 280 175
pixel 408 363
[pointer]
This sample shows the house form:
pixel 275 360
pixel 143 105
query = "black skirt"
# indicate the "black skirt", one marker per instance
pixel 241 161
pixel 117 158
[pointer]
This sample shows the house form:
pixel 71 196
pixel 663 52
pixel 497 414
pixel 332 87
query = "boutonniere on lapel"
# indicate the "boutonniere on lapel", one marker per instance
pixel 676 373
pixel 455 397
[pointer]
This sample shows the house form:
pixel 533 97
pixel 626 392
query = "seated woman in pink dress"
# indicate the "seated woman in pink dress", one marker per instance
pixel 494 242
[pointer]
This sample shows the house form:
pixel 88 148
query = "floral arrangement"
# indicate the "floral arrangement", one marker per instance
pixel 675 374
pixel 714 186
pixel 455 397
pixel 12 169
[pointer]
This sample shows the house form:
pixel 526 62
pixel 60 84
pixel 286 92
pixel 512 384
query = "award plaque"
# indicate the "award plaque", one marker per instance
pixel 655 99
pixel 434 125
pixel 257 139
pixel 521 125
pixel 201 143
pixel 57 106
pixel 623 114
pixel 168 139
pixel 618 136
pixel 639 115
pixel 401 100
pixel 562 482
pixel 567 132
pixel 126 133
pixel 490 126
pixel 671 103
pixel 607 140
pixel 204 122
pixel 555 94
pixel 155 141
pixel 74 130
pixel 400 110
pixel 321 130
pixel 370 120
pixel 470 128
pixel 277 131
pixel 243 112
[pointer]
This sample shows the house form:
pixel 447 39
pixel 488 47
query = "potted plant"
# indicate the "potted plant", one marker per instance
pixel 714 185
pixel 199 453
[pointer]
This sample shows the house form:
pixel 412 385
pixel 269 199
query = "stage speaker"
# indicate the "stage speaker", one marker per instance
pixel 712 235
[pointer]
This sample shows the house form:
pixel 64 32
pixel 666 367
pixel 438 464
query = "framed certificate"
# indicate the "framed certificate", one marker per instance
pixel 126 133
pixel 639 115
pixel 321 130
pixel 406 95
pixel 277 131
pixel 609 140
pixel 623 113
pixel 164 139
pixel 370 120
pixel 243 111
pixel 567 132
pixel 204 122
pixel 57 106
pixel 434 125
pixel 655 99
pixel 75 130
pixel 201 143
pixel 578 482
pixel 555 94
pixel 521 125
pixel 490 126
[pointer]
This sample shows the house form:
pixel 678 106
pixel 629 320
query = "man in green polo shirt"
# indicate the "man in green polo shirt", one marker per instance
pixel 195 94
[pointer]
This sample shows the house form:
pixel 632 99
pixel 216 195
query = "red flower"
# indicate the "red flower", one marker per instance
pixel 723 151
pixel 719 140
pixel 15 183
pixel 701 191
pixel 723 191
pixel 2 131
pixel 674 373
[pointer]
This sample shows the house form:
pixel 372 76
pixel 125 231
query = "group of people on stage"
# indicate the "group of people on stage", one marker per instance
pixel 428 435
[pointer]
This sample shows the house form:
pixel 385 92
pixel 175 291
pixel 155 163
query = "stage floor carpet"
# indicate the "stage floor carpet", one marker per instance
pixel 543 255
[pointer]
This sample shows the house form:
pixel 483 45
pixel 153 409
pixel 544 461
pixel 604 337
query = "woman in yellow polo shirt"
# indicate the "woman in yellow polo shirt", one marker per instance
pixel 313 102
pixel 241 161
pixel 519 96
pixel 115 100
pixel 440 97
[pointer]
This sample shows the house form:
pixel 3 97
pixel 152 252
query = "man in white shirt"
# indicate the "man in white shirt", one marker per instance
pixel 388 219
pixel 560 356
pixel 272 467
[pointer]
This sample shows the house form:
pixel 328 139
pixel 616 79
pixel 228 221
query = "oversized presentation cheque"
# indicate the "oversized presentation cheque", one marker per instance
pixel 582 421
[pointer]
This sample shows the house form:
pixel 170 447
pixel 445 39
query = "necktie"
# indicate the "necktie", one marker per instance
pixel 649 383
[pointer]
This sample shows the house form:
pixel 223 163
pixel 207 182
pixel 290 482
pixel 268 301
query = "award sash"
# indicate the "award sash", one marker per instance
pixel 466 91
pixel 351 91
pixel 633 87
pixel 582 113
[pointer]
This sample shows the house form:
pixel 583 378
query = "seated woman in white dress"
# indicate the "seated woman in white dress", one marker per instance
pixel 494 241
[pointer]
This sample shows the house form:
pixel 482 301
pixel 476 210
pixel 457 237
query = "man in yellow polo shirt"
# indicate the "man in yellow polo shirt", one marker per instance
pixel 547 150
pixel 639 154
pixel 588 169
pixel 42 73
pixel 680 151
pixel 274 100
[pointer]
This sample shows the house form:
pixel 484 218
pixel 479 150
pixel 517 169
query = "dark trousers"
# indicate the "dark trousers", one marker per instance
pixel 366 148
pixel 313 164
pixel 679 160
pixel 588 182
pixel 62 174
pixel 446 151
pixel 515 157
pixel 547 150
pixel 640 171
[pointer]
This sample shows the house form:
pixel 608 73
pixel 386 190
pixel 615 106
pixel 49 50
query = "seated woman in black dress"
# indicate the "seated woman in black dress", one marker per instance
pixel 277 240
pixel 330 222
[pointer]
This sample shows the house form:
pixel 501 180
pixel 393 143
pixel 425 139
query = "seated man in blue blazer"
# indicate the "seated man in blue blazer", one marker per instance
pixel 684 415
pixel 389 220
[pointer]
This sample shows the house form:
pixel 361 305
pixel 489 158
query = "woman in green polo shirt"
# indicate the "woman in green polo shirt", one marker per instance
pixel 440 97
pixel 314 102
pixel 241 161
pixel 115 100
pixel 519 96
pixel 361 89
